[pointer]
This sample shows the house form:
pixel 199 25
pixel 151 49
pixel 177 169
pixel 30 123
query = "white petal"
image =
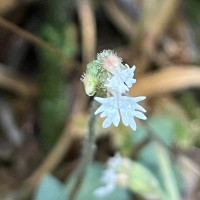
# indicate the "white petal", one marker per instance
pixel 115 83
pixel 116 119
pixel 99 99
pixel 109 175
pixel 127 76
pixel 130 82
pixel 100 109
pixel 137 99
pixel 128 108
pixel 124 117
pixel 104 114
pixel 132 124
pixel 134 67
pixel 140 108
pixel 104 190
pixel 109 120
pixel 140 115
pixel 103 100
pixel 114 162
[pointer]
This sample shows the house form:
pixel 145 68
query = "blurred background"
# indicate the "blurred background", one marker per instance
pixel 45 47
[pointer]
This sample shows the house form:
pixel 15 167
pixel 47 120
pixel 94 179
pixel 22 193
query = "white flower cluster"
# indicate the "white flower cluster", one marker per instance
pixel 117 103
pixel 110 177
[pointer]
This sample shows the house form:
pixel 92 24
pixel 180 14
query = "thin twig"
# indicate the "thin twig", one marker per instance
pixel 88 29
pixel 10 81
pixel 88 39
pixel 57 153
pixel 158 15
pixel 87 154
pixel 122 21
pixel 30 37
pixel 11 130
pixel 53 158
pixel 48 165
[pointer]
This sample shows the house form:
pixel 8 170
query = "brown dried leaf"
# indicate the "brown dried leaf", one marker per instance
pixel 171 79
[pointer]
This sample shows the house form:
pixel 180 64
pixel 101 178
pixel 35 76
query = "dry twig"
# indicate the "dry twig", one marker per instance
pixel 88 29
pixel 11 82
pixel 30 37
pixel 11 130
pixel 123 22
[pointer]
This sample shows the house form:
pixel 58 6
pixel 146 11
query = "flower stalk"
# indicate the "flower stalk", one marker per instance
pixel 87 153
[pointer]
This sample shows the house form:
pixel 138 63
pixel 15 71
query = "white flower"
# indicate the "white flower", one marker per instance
pixel 108 75
pixel 110 177
pixel 127 107
pixel 122 79
pixel 115 161
pixel 116 84
pixel 127 76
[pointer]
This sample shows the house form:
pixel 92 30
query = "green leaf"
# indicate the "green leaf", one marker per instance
pixel 50 188
pixel 141 180
pixel 167 172
pixel 163 128
pixel 169 128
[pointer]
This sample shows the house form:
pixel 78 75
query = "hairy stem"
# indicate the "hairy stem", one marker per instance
pixel 87 153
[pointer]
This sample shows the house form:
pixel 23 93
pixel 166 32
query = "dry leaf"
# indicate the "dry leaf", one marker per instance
pixel 171 79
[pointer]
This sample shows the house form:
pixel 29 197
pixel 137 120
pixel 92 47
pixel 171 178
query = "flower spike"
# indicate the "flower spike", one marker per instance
pixel 107 76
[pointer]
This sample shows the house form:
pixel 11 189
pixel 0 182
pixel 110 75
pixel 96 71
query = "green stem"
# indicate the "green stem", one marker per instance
pixel 87 153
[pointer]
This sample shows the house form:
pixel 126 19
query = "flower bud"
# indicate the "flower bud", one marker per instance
pixel 94 79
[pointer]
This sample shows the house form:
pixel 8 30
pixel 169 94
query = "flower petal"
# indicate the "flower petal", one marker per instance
pixel 103 100
pixel 132 124
pixel 140 108
pixel 116 119
pixel 124 117
pixel 140 115
pixel 140 98
pixel 100 109
pixel 104 190
pixel 107 122
pixel 117 105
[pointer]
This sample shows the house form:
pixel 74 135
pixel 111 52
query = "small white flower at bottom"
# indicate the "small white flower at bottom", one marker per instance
pixel 110 177
pixel 127 107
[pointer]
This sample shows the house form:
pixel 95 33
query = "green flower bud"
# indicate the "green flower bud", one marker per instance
pixel 94 79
